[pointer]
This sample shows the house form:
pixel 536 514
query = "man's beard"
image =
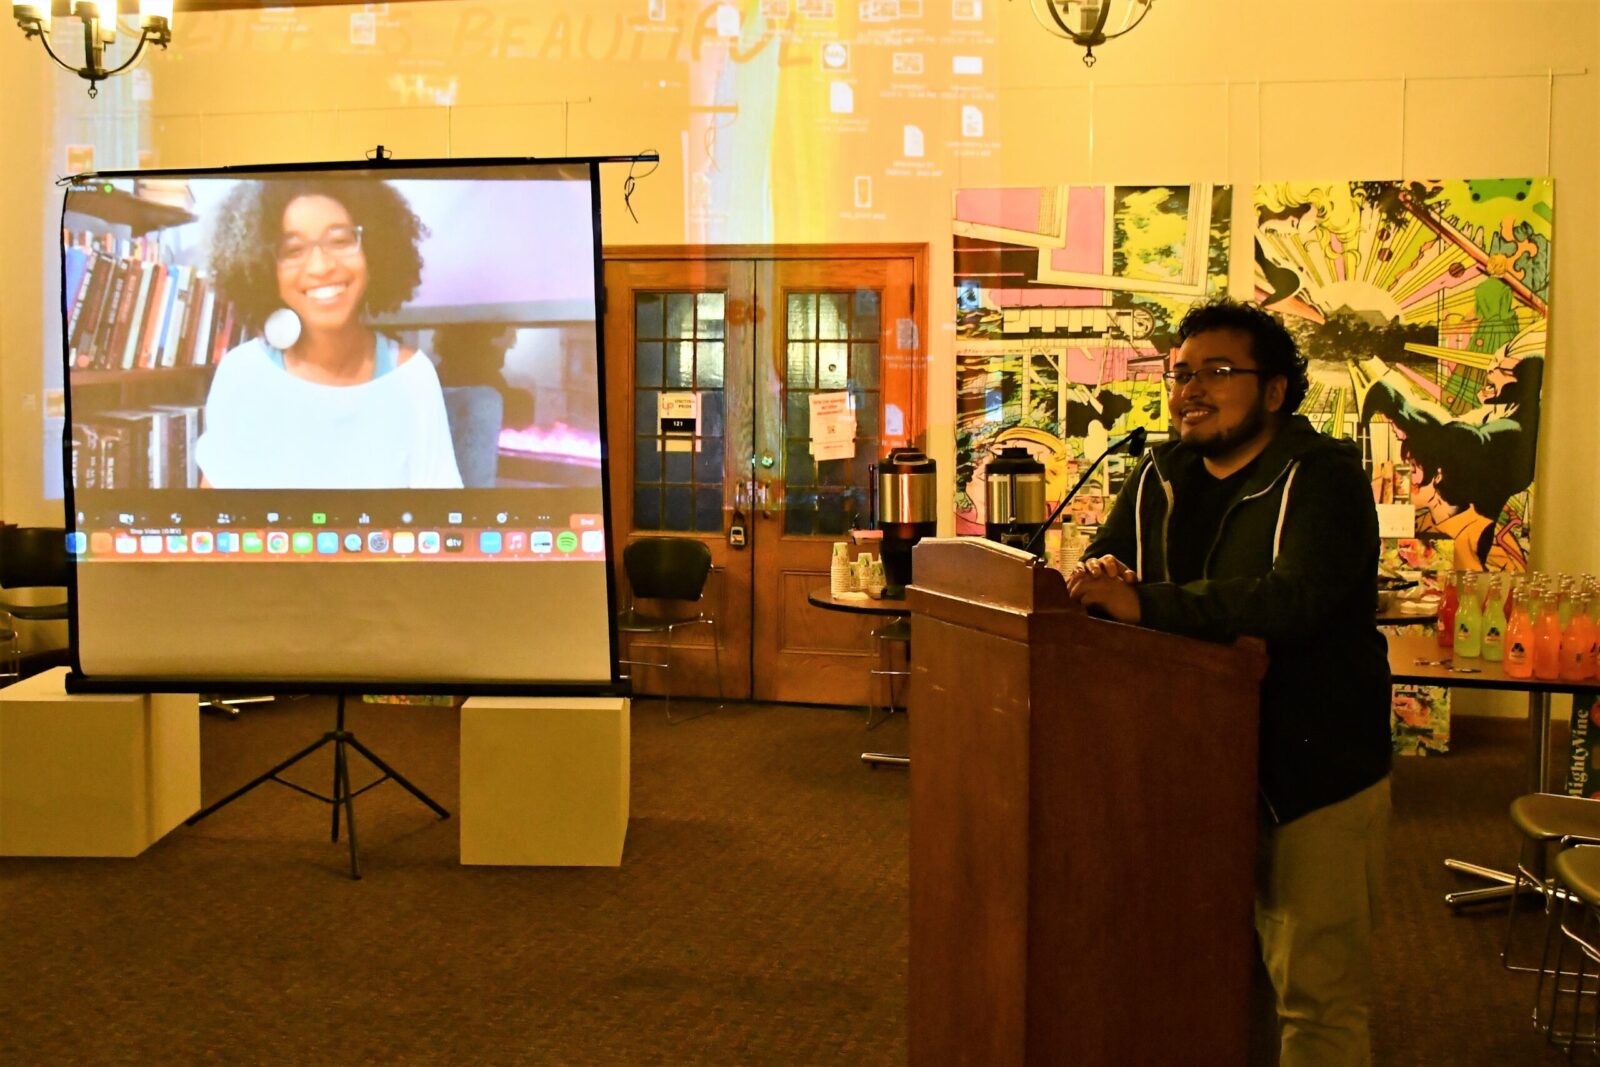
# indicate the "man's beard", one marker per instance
pixel 1225 443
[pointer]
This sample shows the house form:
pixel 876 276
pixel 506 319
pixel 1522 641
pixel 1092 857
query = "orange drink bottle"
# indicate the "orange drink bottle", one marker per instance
pixel 1547 640
pixel 1519 638
pixel 1576 640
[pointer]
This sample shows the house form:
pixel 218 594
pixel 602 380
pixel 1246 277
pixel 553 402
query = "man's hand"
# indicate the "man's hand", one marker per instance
pixel 1102 567
pixel 1106 583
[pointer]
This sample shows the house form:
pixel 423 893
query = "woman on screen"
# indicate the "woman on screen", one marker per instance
pixel 321 400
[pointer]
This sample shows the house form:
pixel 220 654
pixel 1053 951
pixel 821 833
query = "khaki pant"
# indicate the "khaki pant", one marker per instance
pixel 1317 882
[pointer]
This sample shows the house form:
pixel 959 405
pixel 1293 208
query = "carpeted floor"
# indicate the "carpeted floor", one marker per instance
pixel 759 915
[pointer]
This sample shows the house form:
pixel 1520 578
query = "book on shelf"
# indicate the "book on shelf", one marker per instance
pixel 128 307
pixel 152 448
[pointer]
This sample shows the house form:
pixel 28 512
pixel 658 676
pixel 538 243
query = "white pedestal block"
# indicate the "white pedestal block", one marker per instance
pixel 544 781
pixel 100 775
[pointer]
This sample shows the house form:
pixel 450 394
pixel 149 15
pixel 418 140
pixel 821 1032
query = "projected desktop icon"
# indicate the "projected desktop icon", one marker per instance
pixel 516 541
pixel 378 541
pixel 490 542
pixel 319 518
pixel 252 542
pixel 177 544
pixel 277 542
pixel 594 541
pixel 428 542
pixel 352 542
pixel 77 543
pixel 455 518
pixel 227 541
pixel 301 542
pixel 150 544
pixel 454 542
pixel 327 543
pixel 127 544
pixel 201 542
pixel 405 542
pixel 100 543
pixel 541 541
pixel 567 541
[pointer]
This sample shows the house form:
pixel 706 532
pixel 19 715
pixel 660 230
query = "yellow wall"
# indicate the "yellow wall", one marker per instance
pixel 1218 90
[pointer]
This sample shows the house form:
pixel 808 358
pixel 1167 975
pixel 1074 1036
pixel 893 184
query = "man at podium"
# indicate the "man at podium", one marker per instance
pixel 1252 523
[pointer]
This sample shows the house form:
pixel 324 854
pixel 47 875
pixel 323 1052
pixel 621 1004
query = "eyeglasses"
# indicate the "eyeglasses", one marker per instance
pixel 1178 379
pixel 340 242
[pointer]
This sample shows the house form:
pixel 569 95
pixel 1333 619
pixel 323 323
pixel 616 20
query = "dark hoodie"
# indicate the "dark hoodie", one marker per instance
pixel 1295 563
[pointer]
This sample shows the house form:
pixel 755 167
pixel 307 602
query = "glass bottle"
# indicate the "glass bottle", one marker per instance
pixel 1576 641
pixel 1519 636
pixel 1547 639
pixel 1494 623
pixel 1444 629
pixel 1564 599
pixel 1469 620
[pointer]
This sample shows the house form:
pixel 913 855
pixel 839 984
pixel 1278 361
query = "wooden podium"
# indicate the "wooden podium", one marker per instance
pixel 1083 824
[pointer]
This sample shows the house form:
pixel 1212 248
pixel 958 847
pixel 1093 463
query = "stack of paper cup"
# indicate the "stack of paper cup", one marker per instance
pixel 839 569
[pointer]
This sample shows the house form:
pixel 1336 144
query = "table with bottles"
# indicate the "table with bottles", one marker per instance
pixel 1534 634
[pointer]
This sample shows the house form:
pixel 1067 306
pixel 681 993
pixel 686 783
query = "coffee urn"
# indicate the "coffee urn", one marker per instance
pixel 1014 487
pixel 907 502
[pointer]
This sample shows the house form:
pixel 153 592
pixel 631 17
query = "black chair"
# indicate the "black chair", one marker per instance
pixel 892 634
pixel 670 573
pixel 31 557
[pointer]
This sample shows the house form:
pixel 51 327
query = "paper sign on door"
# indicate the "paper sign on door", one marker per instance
pixel 833 426
pixel 678 414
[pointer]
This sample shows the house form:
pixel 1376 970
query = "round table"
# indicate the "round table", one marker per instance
pixel 887 607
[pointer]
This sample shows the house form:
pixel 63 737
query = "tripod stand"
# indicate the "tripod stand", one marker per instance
pixel 343 795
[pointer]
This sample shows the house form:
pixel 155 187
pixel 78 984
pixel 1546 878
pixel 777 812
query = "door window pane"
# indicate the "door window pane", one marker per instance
pixel 647 508
pixel 864 365
pixel 680 315
pixel 868 322
pixel 833 365
pixel 647 363
pixel 647 309
pixel 680 365
pixel 678 466
pixel 799 467
pixel 710 315
pixel 708 462
pixel 801 315
pixel 708 510
pixel 646 413
pixel 647 460
pixel 802 366
pixel 680 508
pixel 708 365
pixel 833 316
pixel 711 413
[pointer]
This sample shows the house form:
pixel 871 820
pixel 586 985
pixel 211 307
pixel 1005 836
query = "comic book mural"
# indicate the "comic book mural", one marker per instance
pixel 1066 301
pixel 1422 307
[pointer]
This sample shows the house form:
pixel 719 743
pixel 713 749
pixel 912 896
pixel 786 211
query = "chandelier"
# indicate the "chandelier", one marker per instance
pixel 98 19
pixel 1085 22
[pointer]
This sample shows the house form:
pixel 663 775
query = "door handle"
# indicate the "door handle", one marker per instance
pixel 761 500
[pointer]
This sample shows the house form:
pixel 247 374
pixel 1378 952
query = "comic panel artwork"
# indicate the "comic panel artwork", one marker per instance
pixel 1067 298
pixel 1422 308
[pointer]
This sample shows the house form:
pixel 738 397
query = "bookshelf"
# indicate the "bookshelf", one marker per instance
pixel 144 331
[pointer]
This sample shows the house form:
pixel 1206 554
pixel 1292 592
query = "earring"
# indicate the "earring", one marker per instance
pixel 282 329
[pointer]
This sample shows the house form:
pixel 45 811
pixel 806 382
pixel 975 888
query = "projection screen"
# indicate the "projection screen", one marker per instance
pixel 337 425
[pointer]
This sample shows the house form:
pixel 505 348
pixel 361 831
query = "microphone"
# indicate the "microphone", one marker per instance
pixel 1132 443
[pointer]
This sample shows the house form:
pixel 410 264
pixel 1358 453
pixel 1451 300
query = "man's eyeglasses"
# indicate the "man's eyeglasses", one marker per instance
pixel 341 242
pixel 1178 379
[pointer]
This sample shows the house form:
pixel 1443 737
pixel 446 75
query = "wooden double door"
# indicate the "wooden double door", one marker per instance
pixel 715 359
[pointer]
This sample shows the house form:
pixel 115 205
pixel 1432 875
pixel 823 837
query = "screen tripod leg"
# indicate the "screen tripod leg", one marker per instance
pixel 392 773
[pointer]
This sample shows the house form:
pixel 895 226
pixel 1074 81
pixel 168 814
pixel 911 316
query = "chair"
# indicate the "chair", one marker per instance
pixel 31 557
pixel 1544 819
pixel 475 413
pixel 895 632
pixel 671 573
pixel 1577 883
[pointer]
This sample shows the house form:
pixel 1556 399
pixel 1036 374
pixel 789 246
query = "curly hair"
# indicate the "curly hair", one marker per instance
pixel 1272 345
pixel 249 225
